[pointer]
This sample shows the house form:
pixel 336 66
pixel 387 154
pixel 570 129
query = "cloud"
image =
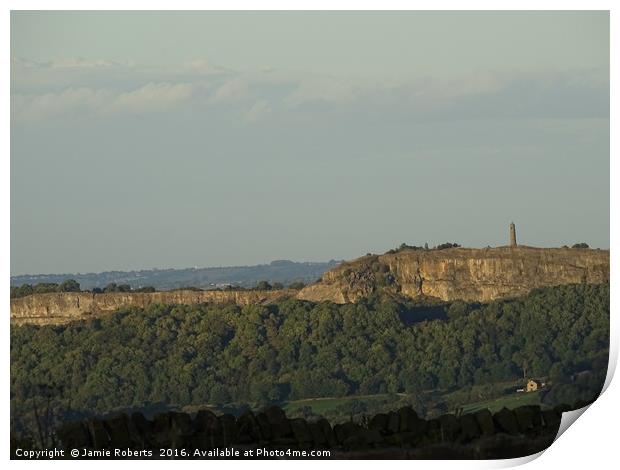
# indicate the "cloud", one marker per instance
pixel 89 87
pixel 232 90
pixel 48 105
pixel 328 89
pixel 66 63
pixel 152 97
pixel 490 95
pixel 28 77
pixel 85 63
pixel 203 66
pixel 258 110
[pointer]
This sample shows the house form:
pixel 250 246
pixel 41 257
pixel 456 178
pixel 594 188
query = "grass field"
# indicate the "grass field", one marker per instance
pixel 323 405
pixel 329 405
pixel 509 401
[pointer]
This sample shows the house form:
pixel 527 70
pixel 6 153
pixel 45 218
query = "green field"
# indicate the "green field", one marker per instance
pixel 324 405
pixel 498 396
pixel 509 401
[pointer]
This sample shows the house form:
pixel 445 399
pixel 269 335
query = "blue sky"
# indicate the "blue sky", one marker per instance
pixel 143 140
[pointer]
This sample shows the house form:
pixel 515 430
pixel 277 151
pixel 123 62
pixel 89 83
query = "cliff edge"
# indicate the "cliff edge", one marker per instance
pixel 64 307
pixel 470 274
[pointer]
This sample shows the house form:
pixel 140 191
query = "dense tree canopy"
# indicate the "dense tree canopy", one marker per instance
pixel 294 349
pixel 71 285
pixel 68 285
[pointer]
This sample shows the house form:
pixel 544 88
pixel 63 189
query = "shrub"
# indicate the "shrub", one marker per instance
pixel 263 285
pixel 70 285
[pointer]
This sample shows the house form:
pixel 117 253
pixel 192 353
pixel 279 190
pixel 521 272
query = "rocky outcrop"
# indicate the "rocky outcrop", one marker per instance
pixel 474 275
pixel 57 308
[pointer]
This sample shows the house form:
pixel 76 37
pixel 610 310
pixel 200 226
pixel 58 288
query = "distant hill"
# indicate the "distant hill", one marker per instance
pixel 282 271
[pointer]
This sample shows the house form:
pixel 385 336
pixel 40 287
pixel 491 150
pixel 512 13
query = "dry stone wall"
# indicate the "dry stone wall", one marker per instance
pixel 398 434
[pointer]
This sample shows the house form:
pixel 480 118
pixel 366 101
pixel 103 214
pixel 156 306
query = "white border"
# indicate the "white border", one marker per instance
pixel 592 442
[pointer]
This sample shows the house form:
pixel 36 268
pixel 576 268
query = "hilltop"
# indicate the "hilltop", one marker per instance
pixel 469 274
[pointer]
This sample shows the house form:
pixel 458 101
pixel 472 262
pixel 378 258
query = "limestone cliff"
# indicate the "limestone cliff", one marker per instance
pixel 460 273
pixel 56 308
pixel 475 275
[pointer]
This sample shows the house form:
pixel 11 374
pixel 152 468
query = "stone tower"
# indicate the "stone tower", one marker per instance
pixel 513 235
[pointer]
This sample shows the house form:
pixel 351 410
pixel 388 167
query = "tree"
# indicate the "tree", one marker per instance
pixel 146 289
pixel 111 287
pixel 445 246
pixel 292 349
pixel 21 291
pixel 263 285
pixel 581 245
pixel 45 287
pixel 458 309
pixel 70 285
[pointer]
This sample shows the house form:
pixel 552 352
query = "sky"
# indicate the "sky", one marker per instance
pixel 175 139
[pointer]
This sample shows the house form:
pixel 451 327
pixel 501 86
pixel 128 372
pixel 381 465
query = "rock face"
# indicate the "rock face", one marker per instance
pixel 474 275
pixel 56 308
